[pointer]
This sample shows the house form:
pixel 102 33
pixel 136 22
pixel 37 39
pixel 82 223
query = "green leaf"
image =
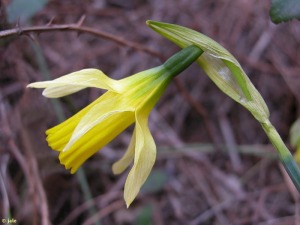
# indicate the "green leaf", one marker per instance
pixel 295 139
pixel 23 9
pixel 145 216
pixel 284 10
pixel 155 182
pixel 295 134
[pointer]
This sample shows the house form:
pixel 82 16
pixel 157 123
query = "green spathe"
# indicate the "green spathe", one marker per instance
pixel 222 68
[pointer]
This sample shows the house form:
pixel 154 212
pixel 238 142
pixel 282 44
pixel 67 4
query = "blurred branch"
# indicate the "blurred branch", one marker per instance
pixel 28 164
pixel 80 29
pixel 3 190
pixel 199 108
pixel 112 207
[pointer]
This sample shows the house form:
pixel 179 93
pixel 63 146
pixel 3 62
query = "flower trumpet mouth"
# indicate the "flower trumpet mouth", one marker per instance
pixel 127 101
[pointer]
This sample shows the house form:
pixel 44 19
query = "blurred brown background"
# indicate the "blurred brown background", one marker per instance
pixel 214 165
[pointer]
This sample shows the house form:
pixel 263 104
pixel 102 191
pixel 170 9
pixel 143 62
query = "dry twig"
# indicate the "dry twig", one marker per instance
pixel 80 29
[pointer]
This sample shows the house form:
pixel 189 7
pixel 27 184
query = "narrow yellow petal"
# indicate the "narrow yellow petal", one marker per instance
pixel 58 92
pixel 144 158
pixel 97 137
pixel 76 81
pixel 119 166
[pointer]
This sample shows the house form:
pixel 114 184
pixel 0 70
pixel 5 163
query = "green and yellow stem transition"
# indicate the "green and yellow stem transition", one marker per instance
pixel 225 71
pixel 126 101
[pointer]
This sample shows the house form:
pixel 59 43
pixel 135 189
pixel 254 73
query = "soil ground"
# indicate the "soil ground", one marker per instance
pixel 215 165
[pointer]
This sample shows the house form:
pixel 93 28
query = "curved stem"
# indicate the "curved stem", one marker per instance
pixel 285 155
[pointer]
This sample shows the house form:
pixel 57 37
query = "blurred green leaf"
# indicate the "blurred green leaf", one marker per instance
pixel 145 216
pixel 295 139
pixel 155 182
pixel 295 134
pixel 23 9
pixel 284 10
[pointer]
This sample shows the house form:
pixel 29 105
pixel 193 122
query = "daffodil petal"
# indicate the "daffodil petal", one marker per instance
pixel 144 158
pixel 98 113
pixel 97 137
pixel 76 81
pixel 59 135
pixel 140 78
pixel 119 166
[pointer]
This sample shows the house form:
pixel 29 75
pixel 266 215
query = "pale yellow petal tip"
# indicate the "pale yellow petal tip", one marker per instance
pixel 36 85
pixel 31 85
pixel 118 168
pixel 130 192
pixel 128 200
pixel 115 169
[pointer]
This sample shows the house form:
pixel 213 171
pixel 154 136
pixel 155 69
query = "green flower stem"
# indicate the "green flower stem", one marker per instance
pixel 285 156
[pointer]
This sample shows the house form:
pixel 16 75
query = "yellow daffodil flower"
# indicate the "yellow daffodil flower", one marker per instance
pixel 126 101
